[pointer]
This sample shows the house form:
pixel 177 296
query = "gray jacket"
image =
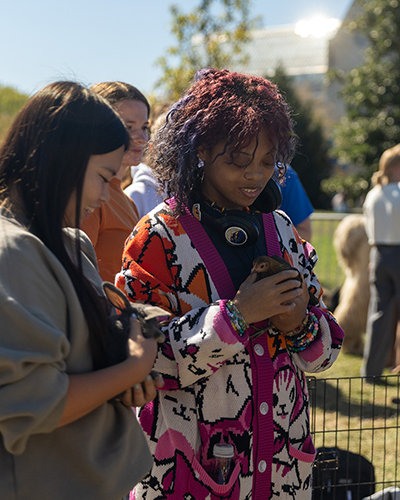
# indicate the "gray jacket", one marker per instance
pixel 100 456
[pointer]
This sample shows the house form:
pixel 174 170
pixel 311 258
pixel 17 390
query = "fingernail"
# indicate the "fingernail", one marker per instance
pixel 137 387
pixel 148 378
pixel 160 380
pixel 134 316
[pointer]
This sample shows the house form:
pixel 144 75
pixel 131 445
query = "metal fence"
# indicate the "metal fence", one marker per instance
pixel 356 429
pixel 355 424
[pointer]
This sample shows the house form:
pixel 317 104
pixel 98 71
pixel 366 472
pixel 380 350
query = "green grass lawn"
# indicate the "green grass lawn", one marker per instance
pixel 363 418
pixel 327 269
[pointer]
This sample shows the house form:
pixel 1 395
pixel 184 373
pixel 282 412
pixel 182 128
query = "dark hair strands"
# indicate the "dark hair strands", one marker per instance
pixel 43 161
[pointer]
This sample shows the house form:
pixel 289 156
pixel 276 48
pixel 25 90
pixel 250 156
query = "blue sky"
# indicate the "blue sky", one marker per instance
pixel 97 40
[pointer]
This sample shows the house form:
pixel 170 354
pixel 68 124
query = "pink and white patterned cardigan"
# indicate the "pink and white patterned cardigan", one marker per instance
pixel 220 387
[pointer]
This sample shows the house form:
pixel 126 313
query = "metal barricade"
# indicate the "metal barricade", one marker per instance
pixel 356 430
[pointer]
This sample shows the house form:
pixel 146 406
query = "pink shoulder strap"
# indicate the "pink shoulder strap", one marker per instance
pixel 271 236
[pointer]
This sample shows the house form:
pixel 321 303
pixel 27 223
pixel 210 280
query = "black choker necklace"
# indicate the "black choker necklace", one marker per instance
pixel 214 205
pixel 236 227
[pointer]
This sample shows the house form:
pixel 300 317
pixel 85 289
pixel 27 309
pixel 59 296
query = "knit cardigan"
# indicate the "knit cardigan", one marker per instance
pixel 249 390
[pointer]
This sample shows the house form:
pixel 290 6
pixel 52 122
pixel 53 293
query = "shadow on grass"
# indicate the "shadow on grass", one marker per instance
pixel 354 398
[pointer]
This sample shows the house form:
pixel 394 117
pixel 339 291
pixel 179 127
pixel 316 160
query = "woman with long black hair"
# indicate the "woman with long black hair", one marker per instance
pixel 66 432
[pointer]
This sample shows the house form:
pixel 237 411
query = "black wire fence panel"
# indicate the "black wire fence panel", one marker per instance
pixel 355 425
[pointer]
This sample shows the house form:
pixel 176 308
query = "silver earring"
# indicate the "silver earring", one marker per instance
pixel 200 163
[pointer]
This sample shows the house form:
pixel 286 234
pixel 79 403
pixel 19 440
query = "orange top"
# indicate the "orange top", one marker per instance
pixel 108 227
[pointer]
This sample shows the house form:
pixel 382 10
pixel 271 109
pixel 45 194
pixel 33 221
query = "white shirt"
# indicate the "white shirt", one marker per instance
pixel 382 210
pixel 143 190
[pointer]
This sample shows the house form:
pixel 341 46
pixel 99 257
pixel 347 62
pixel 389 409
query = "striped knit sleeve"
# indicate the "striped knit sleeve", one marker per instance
pixel 199 337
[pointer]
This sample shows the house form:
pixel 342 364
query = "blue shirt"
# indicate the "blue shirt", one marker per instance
pixel 295 201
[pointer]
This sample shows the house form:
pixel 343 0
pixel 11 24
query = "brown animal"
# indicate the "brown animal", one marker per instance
pixel 265 266
pixel 352 251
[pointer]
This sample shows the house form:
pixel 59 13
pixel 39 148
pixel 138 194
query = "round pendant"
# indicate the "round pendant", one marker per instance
pixel 236 235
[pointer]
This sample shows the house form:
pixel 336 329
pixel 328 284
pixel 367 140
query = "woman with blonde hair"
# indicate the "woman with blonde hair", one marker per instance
pixel 382 211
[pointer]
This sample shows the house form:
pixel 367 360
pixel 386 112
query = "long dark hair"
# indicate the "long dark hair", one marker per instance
pixel 43 161
pixel 220 105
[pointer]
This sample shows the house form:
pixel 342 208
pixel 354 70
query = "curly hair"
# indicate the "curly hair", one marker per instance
pixel 220 105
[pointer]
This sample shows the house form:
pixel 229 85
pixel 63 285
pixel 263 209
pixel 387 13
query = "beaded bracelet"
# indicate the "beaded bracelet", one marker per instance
pixel 299 339
pixel 238 322
pixel 301 328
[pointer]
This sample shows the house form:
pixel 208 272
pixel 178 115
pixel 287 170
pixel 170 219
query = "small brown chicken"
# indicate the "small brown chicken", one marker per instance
pixel 265 266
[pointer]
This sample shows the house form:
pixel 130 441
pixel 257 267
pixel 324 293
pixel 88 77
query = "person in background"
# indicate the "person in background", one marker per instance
pixel 67 429
pixel 382 210
pixel 296 203
pixel 339 202
pixel 110 224
pixel 144 189
pixel 237 349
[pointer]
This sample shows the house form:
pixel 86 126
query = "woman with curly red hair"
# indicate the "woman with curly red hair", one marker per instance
pixel 236 348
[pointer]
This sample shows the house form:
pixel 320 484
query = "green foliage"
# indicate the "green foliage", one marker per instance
pixel 371 92
pixel 11 102
pixel 352 186
pixel 311 161
pixel 202 40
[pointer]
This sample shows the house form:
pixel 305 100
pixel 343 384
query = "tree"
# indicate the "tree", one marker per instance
pixel 311 161
pixel 371 92
pixel 212 36
pixel 11 102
